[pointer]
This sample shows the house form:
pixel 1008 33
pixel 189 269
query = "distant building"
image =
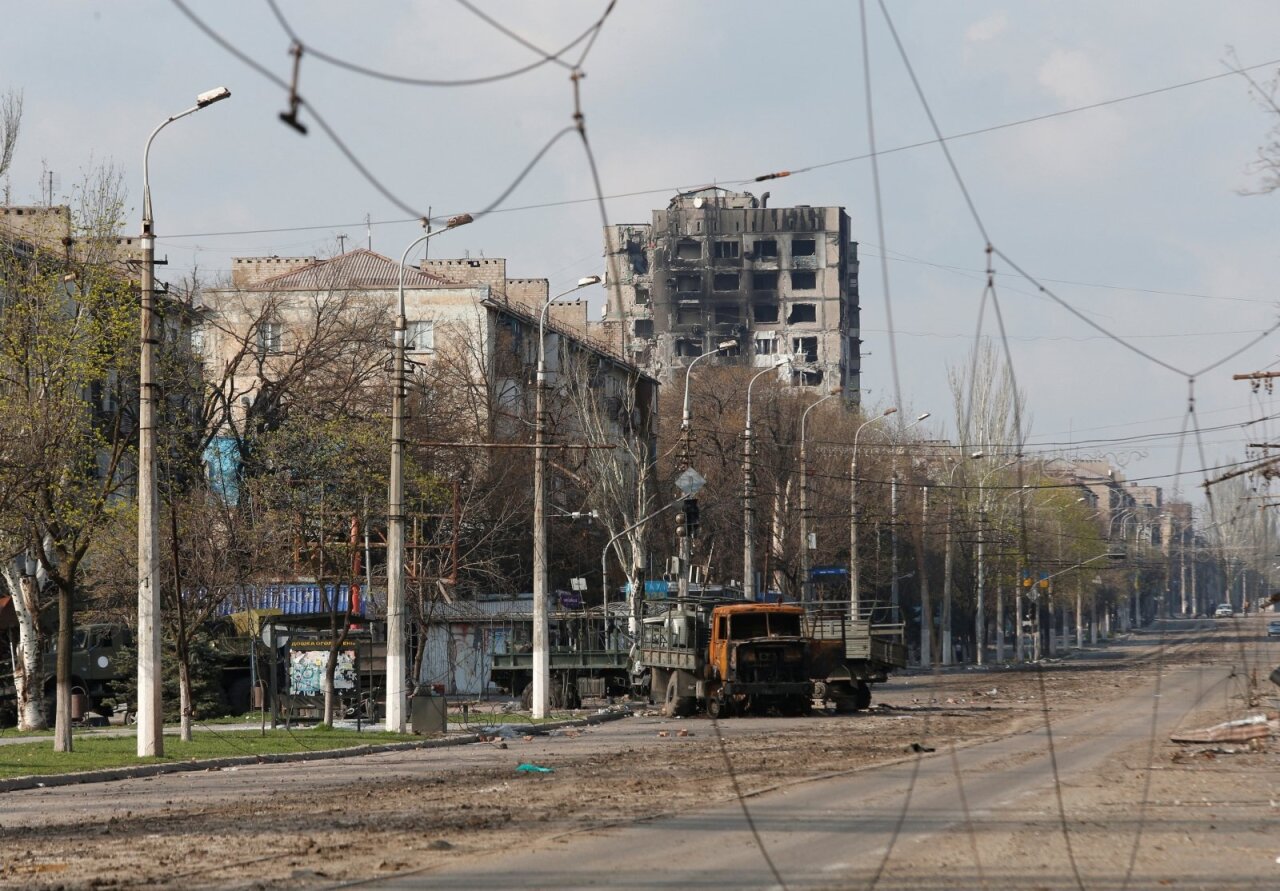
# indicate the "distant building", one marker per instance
pixel 718 266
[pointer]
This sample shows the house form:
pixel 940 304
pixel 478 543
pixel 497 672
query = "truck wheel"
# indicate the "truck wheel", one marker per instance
pixel 526 697
pixel 862 696
pixel 677 706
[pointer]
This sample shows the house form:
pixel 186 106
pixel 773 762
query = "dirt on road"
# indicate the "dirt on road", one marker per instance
pixel 318 824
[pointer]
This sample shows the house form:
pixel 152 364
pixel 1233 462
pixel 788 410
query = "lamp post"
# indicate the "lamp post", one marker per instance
pixel 397 661
pixel 980 620
pixel 748 491
pixel 686 420
pixel 806 586
pixel 948 651
pixel 150 720
pixel 541 632
pixel 853 512
pixel 894 600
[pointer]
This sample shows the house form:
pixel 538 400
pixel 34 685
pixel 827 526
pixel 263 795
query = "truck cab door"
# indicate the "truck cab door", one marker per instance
pixel 719 646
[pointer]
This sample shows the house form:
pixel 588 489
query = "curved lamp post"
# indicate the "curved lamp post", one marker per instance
pixel 686 420
pixel 853 512
pixel 541 631
pixel 150 720
pixel 397 662
pixel 806 586
pixel 748 491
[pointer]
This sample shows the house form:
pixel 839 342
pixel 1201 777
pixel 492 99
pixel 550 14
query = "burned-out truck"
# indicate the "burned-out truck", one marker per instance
pixel 847 655
pixel 726 659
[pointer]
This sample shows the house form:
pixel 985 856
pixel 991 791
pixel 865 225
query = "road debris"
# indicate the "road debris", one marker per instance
pixel 1242 730
pixel 534 768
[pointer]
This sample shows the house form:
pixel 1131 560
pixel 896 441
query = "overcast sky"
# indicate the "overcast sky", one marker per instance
pixel 1132 212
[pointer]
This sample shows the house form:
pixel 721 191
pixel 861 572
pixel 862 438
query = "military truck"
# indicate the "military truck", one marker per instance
pixel 95 667
pixel 848 655
pixel 727 659
pixel 587 655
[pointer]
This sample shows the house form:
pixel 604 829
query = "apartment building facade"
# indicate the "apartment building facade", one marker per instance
pixel 717 267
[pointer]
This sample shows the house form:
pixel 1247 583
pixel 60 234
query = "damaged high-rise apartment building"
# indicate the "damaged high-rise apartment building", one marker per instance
pixel 716 266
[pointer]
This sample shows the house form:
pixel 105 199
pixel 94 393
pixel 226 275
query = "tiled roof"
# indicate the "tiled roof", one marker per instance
pixel 360 269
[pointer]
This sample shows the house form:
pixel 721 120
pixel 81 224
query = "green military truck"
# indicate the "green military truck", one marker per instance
pixel 95 668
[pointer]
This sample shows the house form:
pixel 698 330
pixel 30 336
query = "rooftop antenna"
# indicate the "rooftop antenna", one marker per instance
pixel 426 225
pixel 368 228
pixel 342 242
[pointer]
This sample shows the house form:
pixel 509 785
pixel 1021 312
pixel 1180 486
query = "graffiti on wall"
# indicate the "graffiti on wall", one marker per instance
pixel 306 671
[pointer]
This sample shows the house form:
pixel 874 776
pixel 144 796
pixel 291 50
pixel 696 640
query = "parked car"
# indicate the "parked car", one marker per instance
pixel 1224 611
pixel 1273 628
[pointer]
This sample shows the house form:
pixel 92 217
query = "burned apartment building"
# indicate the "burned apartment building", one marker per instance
pixel 719 266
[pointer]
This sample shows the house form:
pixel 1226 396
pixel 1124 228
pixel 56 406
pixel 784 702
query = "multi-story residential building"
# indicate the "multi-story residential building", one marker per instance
pixel 718 266
pixel 465 311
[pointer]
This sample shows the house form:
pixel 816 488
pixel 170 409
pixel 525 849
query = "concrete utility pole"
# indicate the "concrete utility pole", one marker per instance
pixel 748 492
pixel 926 604
pixel 150 716
pixel 541 611
pixel 397 661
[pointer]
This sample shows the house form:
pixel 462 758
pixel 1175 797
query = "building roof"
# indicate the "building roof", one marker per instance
pixel 583 340
pixel 360 269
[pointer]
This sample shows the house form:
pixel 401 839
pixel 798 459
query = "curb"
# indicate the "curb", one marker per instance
pixel 110 774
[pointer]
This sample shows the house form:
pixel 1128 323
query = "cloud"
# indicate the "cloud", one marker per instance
pixel 1073 78
pixel 987 29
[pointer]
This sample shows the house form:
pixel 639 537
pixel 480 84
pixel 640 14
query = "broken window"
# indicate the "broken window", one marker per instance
pixel 766 249
pixel 727 313
pixel 764 281
pixel 725 281
pixel 805 348
pixel 688 348
pixel 764 312
pixel 642 295
pixel 803 247
pixel 688 250
pixel 766 344
pixel 802 312
pixel 644 328
pixel 727 250
pixel 809 378
pixel 803 281
pixel 637 258
pixel 688 284
pixel 688 315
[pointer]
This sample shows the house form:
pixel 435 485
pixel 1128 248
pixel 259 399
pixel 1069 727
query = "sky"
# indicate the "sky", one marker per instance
pixel 1135 214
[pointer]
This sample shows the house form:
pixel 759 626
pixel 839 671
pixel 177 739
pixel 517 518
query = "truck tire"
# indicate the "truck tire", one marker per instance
pixel 677 706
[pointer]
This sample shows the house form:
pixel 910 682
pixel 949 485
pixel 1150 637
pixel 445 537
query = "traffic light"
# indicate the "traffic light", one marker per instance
pixel 690 516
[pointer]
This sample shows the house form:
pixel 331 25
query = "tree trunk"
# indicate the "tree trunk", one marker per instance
pixel 330 667
pixel 62 724
pixel 184 692
pixel 28 664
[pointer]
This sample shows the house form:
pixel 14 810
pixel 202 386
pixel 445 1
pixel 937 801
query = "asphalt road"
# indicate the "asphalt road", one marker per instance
pixel 850 831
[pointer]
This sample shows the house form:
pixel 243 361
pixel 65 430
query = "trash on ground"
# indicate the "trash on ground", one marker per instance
pixel 1242 730
pixel 920 747
pixel 534 768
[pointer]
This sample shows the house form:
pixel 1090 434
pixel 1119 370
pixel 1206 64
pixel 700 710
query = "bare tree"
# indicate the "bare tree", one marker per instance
pixel 10 123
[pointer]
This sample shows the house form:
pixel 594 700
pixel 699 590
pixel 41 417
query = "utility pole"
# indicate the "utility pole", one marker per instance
pixel 893 545
pixel 150 716
pixel 926 604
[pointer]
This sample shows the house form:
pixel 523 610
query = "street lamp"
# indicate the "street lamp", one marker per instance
pixel 748 493
pixel 806 587
pixel 150 720
pixel 948 652
pixel 894 600
pixel 541 629
pixel 980 620
pixel 397 661
pixel 853 512
pixel 686 419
